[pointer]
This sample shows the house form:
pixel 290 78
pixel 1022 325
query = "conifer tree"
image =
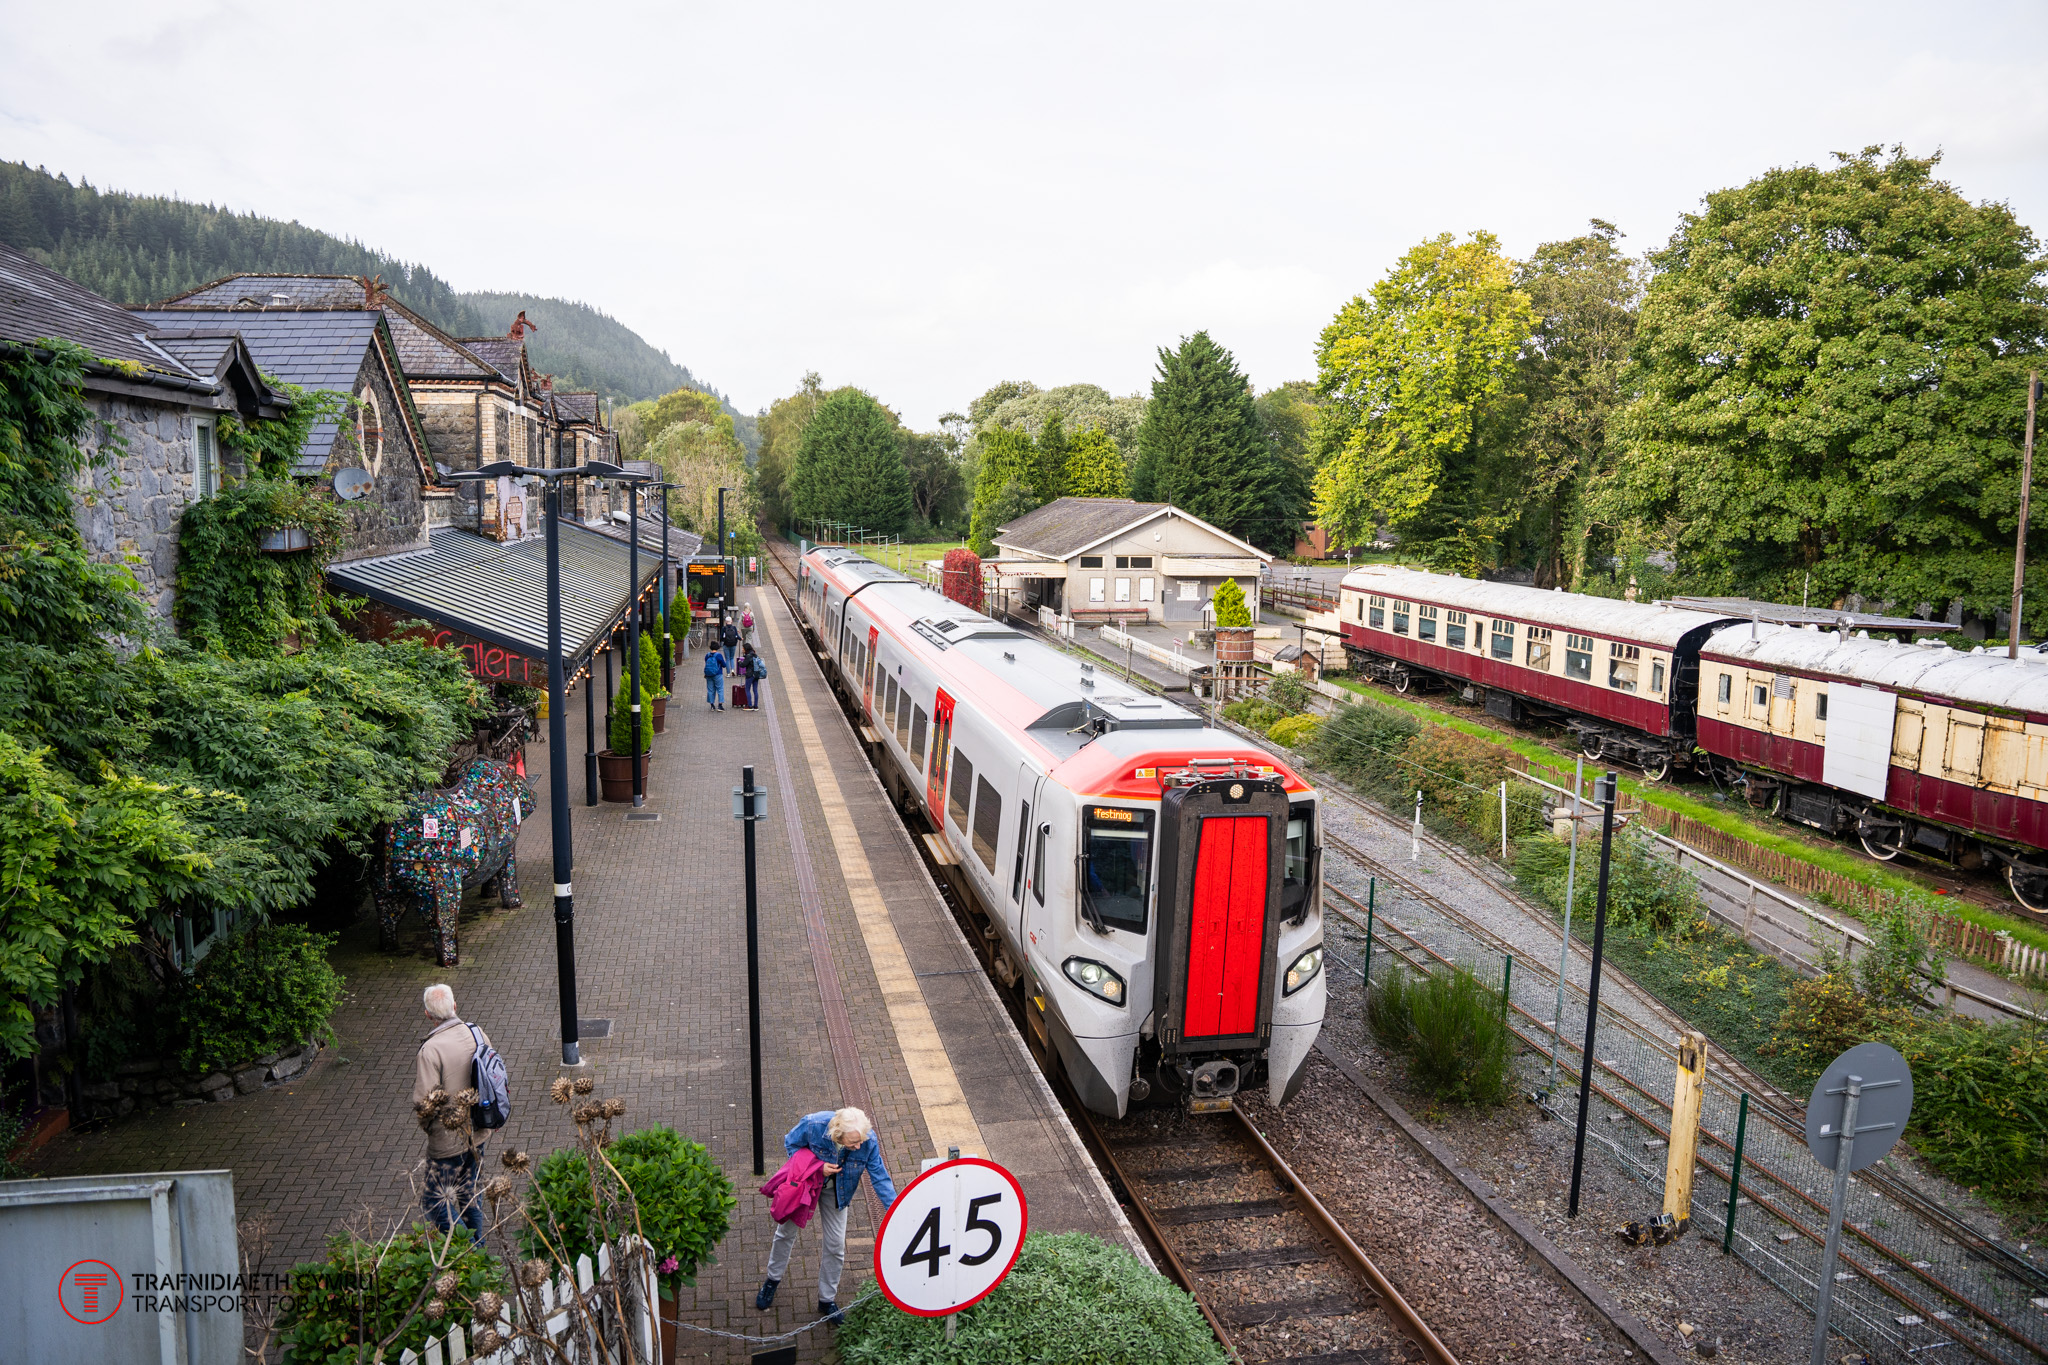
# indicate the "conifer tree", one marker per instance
pixel 1053 448
pixel 849 467
pixel 1008 477
pixel 1229 604
pixel 1095 469
pixel 1203 448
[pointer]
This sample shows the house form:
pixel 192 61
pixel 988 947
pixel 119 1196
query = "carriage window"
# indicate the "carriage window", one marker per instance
pixel 963 787
pixel 1621 666
pixel 1118 865
pixel 889 710
pixel 1023 841
pixel 1723 689
pixel 1537 654
pixel 1361 608
pixel 1454 630
pixel 917 737
pixel 1761 699
pixel 1504 640
pixel 1038 865
pixel 988 822
pixel 1820 706
pixel 1425 623
pixel 1379 614
pixel 1657 676
pixel 1400 618
pixel 1578 657
pixel 903 720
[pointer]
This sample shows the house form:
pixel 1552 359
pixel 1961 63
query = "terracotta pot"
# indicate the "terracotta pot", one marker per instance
pixel 615 774
pixel 660 714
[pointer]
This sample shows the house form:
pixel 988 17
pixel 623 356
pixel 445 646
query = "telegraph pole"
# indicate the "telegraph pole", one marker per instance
pixel 2019 559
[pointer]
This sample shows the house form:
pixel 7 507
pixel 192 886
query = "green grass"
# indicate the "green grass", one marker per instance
pixel 911 558
pixel 1715 817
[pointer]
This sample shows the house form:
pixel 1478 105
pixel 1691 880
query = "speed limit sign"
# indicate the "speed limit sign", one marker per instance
pixel 950 1237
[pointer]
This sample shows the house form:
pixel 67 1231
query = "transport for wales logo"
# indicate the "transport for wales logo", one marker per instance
pixel 90 1292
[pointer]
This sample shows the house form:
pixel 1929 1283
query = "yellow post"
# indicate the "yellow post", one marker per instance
pixel 1685 1129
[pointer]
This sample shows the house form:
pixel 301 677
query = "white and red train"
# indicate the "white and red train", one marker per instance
pixel 1155 884
pixel 1928 749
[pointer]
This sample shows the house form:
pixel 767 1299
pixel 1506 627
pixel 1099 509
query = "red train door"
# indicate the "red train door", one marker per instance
pixel 867 675
pixel 1227 926
pixel 942 747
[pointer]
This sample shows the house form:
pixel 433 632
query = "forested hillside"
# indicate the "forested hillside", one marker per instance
pixel 140 248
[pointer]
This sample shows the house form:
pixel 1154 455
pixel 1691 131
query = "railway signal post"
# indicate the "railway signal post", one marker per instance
pixel 1604 793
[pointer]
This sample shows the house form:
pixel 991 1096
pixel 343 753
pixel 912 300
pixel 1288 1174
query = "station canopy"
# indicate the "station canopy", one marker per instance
pixel 489 597
pixel 1824 618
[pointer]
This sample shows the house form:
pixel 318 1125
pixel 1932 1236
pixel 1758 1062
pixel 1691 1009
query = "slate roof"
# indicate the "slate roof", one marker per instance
pixel 497 591
pixel 37 302
pixel 576 407
pixel 502 354
pixel 1065 525
pixel 321 349
pixel 424 350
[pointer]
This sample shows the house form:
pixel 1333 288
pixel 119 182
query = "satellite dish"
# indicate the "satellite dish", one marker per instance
pixel 350 484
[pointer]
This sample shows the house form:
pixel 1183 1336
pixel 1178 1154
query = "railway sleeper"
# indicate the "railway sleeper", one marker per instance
pixel 1260 1258
pixel 1321 1306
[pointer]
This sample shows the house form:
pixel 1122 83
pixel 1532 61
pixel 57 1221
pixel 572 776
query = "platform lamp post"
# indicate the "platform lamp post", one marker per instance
pixel 724 568
pixel 634 485
pixel 558 726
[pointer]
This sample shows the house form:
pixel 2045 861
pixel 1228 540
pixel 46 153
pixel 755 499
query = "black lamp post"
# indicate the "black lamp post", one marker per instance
pixel 633 483
pixel 724 568
pixel 558 726
pixel 668 651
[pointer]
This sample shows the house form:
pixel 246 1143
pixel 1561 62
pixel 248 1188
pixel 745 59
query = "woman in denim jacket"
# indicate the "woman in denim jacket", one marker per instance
pixel 844 1140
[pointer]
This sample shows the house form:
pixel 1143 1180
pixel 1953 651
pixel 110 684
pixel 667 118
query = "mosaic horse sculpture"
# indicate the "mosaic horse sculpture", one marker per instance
pixel 448 840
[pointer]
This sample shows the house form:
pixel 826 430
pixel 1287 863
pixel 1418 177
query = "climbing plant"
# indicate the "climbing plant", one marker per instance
pixel 269 446
pixel 236 598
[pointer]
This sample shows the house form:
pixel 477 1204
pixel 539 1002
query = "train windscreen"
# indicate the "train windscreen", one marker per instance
pixel 1119 865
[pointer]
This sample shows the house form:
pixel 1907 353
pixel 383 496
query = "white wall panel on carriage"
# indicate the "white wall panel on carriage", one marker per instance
pixel 1637 622
pixel 1856 755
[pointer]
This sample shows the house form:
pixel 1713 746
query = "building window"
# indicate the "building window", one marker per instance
pixel 1578 657
pixel 1144 590
pixel 1091 561
pixel 1190 590
pixel 1504 640
pixel 1425 623
pixel 1141 561
pixel 1401 618
pixel 1123 590
pixel 205 461
pixel 369 430
pixel 1123 561
pixel 1454 630
pixel 1095 589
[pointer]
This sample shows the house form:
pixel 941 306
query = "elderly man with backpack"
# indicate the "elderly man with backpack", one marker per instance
pixel 459 1096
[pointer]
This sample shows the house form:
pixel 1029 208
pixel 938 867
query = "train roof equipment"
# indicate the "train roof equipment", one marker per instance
pixel 1824 618
pixel 1651 623
pixel 1926 668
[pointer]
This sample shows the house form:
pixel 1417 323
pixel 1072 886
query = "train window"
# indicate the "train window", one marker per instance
pixel 1425 623
pixel 1621 675
pixel 1091 561
pixel 917 737
pixel 1038 865
pixel 988 821
pixel 1723 689
pixel 1504 640
pixel 1657 676
pixel 1578 657
pixel 903 725
pixel 1820 706
pixel 962 788
pixel 1537 655
pixel 1454 630
pixel 1400 618
pixel 1023 838
pixel 1760 699
pixel 1300 866
pixel 1379 614
pixel 889 710
pixel 1118 865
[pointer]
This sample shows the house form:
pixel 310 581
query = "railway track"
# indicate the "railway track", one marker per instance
pixel 1236 1228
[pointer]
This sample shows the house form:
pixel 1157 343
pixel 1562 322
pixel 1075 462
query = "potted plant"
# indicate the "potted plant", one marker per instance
pixel 650 679
pixel 1233 623
pixel 615 764
pixel 678 623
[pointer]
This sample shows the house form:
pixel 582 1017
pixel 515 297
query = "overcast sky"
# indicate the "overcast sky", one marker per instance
pixel 925 200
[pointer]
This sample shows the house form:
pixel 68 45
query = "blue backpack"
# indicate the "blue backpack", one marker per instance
pixel 714 663
pixel 493 1097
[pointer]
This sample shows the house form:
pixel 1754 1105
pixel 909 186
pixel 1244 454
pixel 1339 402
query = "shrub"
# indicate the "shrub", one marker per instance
pixel 1643 890
pixel 364 1291
pixel 264 989
pixel 619 726
pixel 1890 972
pixel 1980 1100
pixel 1362 742
pixel 235 598
pixel 1290 692
pixel 682 1198
pixel 1069 1298
pixel 1294 732
pixel 679 614
pixel 650 666
pixel 1252 713
pixel 1822 1017
pixel 1449 1025
pixel 1230 605
pixel 1525 813
pixel 962 577
pixel 1451 767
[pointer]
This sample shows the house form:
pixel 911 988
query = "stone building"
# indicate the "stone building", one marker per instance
pixel 581 435
pixel 159 401
pixel 374 456
pixel 1098 559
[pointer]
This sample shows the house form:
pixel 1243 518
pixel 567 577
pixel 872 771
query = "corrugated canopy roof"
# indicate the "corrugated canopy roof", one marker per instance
pixel 497 591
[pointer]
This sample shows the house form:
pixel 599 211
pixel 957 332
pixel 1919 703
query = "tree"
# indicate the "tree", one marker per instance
pixel 1079 406
pixel 848 466
pixel 1229 604
pixel 1094 468
pixel 1584 293
pixel 1008 475
pixel 684 405
pixel 1052 458
pixel 1832 370
pixel 782 426
pixel 932 459
pixel 1202 448
pixel 982 410
pixel 1417 402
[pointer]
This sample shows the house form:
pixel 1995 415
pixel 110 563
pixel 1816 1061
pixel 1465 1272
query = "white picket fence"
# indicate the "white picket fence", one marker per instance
pixel 594 1286
pixel 1172 658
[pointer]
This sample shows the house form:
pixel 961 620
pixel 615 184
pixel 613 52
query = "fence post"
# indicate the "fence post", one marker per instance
pixel 1685 1128
pixel 1735 1173
pixel 1507 977
pixel 1503 819
pixel 1749 912
pixel 1372 886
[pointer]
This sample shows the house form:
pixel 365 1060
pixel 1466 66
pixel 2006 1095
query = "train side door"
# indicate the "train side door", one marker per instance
pixel 1020 859
pixel 942 750
pixel 867 675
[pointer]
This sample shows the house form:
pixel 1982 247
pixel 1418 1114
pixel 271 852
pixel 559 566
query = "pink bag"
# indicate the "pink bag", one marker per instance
pixel 793 1191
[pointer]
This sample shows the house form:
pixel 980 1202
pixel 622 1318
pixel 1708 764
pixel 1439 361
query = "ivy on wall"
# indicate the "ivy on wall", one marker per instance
pixel 235 597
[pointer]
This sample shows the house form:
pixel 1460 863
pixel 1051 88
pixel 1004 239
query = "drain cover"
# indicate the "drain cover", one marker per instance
pixel 593 1028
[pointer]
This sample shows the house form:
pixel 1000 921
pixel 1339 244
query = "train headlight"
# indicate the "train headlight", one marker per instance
pixel 1305 969
pixel 1096 979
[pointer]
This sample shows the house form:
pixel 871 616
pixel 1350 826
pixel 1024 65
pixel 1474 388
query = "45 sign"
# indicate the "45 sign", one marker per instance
pixel 950 1237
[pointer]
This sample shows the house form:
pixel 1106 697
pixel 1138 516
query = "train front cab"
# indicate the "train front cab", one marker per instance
pixel 1236 992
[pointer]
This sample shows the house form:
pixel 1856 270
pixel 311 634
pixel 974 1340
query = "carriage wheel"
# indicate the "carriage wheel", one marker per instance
pixel 1592 743
pixel 2029 883
pixel 1657 767
pixel 1886 842
pixel 1403 680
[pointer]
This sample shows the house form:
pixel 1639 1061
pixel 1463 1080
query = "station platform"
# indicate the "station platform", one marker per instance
pixel 870 995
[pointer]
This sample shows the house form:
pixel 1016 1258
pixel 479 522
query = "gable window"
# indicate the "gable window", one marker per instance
pixel 1621 666
pixel 205 461
pixel 1537 653
pixel 1401 610
pixel 1379 613
pixel 1504 640
pixel 1578 657
pixel 369 430
pixel 1091 561
pixel 1454 630
pixel 1425 623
